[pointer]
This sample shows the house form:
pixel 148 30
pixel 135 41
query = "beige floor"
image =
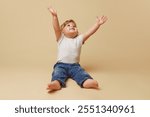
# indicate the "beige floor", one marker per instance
pixel 115 83
pixel 117 56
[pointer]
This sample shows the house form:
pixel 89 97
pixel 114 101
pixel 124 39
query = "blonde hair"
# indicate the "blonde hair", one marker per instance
pixel 66 22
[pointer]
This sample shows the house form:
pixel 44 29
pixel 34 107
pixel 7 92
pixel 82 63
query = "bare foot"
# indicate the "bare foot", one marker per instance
pixel 90 83
pixel 53 86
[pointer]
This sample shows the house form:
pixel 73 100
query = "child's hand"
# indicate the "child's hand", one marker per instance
pixel 101 20
pixel 53 12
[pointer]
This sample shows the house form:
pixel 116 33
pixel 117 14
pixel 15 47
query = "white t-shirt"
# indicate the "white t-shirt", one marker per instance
pixel 69 49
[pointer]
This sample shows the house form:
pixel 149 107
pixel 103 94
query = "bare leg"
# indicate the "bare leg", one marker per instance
pixel 90 83
pixel 53 86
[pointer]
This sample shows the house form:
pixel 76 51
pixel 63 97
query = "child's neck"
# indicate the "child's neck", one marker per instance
pixel 70 36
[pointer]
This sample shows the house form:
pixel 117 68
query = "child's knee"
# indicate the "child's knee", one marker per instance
pixel 90 83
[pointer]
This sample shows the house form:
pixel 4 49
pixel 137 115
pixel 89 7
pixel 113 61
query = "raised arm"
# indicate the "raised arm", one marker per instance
pixel 55 21
pixel 99 21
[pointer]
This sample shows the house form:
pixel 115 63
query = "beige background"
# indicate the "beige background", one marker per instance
pixel 117 55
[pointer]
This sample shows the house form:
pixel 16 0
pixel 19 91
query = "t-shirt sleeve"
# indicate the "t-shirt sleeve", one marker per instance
pixel 60 39
pixel 80 39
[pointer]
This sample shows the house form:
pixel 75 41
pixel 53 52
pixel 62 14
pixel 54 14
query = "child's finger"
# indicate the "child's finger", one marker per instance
pixel 51 9
pixel 105 18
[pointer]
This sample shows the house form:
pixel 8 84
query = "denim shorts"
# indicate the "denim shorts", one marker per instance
pixel 63 71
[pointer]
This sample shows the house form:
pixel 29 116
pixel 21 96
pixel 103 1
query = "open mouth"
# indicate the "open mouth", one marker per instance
pixel 71 29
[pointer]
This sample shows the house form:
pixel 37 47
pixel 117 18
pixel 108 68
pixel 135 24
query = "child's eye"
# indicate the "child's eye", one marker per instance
pixel 68 25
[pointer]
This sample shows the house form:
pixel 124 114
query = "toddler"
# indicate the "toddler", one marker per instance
pixel 69 43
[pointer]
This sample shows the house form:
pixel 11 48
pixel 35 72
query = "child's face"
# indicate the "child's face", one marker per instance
pixel 70 30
